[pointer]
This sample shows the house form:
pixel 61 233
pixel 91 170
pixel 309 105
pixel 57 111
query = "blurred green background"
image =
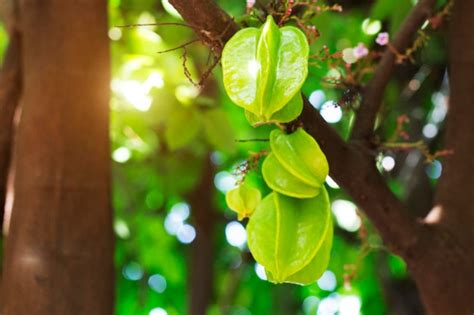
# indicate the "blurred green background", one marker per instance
pixel 175 155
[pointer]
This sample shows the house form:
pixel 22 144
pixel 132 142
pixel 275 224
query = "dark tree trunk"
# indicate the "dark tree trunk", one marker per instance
pixel 443 264
pixel 201 269
pixel 59 251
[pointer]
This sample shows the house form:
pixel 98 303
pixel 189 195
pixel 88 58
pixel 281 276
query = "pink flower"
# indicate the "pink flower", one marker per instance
pixel 250 3
pixel 360 51
pixel 382 39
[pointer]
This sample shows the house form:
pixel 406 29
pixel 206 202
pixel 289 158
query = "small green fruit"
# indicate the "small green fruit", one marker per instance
pixel 296 167
pixel 291 237
pixel 264 69
pixel 243 200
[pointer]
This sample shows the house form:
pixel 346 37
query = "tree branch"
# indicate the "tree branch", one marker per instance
pixel 351 168
pixel 358 176
pixel 213 26
pixel 201 276
pixel 372 100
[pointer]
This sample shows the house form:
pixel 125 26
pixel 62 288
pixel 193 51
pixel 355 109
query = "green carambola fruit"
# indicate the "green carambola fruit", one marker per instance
pixel 296 167
pixel 243 200
pixel 264 69
pixel 292 238
pixel 288 113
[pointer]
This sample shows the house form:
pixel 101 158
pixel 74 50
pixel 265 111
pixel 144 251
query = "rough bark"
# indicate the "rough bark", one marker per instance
pixel 201 284
pixel 439 254
pixel 455 192
pixel 213 29
pixel 59 252
pixel 443 269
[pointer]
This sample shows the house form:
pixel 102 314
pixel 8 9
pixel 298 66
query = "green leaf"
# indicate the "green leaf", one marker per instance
pixel 288 113
pixel 297 167
pixel 265 68
pixel 182 128
pixel 290 237
pixel 243 200
pixel 218 130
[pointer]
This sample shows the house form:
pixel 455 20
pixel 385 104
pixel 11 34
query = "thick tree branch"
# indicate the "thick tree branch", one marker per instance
pixel 213 26
pixel 201 276
pixel 349 166
pixel 358 176
pixel 372 100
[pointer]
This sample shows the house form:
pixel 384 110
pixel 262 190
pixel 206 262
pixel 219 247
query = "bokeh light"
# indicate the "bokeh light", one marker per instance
pixel 331 112
pixel 132 271
pixel 346 215
pixel 235 234
pixel 328 281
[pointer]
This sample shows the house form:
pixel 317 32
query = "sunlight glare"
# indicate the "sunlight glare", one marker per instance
pixel 224 181
pixel 317 98
pixel 115 33
pixel 121 155
pixel 176 217
pixel 154 80
pixel 260 271
pixel 121 229
pixel 388 163
pixel 331 183
pixel 328 281
pixel 349 305
pixel 186 234
pixel 371 27
pixel 346 215
pixel 235 234
pixel 253 68
pixel 158 311
pixel 331 112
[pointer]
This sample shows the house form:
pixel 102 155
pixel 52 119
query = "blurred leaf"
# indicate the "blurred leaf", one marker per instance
pixel 183 126
pixel 218 130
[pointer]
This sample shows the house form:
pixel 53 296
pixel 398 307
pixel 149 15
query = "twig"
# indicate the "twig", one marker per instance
pixel 179 47
pixel 154 24
pixel 420 145
pixel 252 140
pixel 204 76
pixel 248 165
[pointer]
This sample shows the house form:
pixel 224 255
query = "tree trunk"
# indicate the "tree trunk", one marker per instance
pixel 59 251
pixel 201 269
pixel 443 263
